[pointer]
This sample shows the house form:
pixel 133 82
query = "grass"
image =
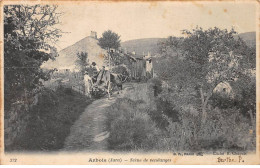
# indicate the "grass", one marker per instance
pixel 138 126
pixel 130 127
pixel 50 120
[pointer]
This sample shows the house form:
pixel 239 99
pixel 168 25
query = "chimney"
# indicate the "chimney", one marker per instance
pixel 93 34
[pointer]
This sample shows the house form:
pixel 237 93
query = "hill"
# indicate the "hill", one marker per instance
pixel 249 38
pixel 150 44
pixel 141 46
pixel 68 56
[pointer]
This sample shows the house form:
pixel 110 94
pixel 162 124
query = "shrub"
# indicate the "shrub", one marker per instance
pixel 123 71
pixel 223 130
pixel 159 119
pixel 168 109
pixel 222 101
pixel 156 85
pixel 130 127
pixel 50 120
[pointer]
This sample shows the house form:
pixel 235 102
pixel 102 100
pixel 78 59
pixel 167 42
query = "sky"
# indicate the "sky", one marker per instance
pixel 134 20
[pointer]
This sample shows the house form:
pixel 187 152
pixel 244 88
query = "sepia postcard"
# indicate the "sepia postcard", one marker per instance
pixel 129 82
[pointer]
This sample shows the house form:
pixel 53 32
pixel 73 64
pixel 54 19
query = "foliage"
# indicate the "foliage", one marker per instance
pixel 109 40
pixel 167 108
pixel 205 59
pixel 245 94
pixel 29 36
pixel 122 71
pixel 82 61
pixel 171 47
pixel 224 129
pixel 51 119
pixel 189 70
pixel 130 127
pixel 156 84
pixel 222 101
pixel 116 58
pixel 243 97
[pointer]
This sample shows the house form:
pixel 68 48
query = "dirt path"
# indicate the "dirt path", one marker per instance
pixel 89 132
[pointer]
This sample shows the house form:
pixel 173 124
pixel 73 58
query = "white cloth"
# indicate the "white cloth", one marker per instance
pixel 149 66
pixel 87 82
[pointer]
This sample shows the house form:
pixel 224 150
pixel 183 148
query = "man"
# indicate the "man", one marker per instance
pixel 94 66
pixel 88 84
pixel 94 72
pixel 100 76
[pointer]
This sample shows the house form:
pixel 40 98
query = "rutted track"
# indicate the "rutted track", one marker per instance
pixel 89 132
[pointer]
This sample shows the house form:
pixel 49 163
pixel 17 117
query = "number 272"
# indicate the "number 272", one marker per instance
pixel 13 160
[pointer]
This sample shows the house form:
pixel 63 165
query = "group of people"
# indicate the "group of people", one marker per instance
pixel 94 78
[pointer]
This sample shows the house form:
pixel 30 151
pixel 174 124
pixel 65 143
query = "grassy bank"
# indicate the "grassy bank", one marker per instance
pixel 50 120
pixel 130 127
pixel 162 125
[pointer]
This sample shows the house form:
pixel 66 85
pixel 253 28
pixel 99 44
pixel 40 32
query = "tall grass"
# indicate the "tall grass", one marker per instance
pixel 50 120
pixel 131 127
pixel 161 125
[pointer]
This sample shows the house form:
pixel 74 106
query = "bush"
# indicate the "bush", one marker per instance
pixel 50 120
pixel 168 109
pixel 222 101
pixel 159 119
pixel 122 71
pixel 156 85
pixel 133 126
pixel 223 130
pixel 130 127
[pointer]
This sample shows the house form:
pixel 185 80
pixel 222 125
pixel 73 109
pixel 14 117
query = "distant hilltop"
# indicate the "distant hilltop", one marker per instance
pixel 249 38
pixel 140 46
pixel 150 44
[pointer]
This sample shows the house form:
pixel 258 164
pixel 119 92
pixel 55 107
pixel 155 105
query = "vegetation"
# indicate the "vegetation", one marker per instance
pixel 204 59
pixel 82 61
pixel 122 71
pixel 190 109
pixel 50 120
pixel 184 108
pixel 29 37
pixel 110 40
pixel 130 127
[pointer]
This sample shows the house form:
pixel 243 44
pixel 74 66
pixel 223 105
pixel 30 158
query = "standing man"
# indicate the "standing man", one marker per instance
pixel 94 65
pixel 94 72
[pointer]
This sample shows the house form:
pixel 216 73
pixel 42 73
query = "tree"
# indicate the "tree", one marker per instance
pixel 82 61
pixel 215 56
pixel 29 38
pixel 171 47
pixel 209 57
pixel 108 41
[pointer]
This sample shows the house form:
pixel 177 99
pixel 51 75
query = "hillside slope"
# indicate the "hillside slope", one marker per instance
pixel 150 44
pixel 249 38
pixel 141 46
